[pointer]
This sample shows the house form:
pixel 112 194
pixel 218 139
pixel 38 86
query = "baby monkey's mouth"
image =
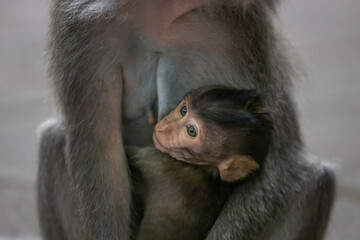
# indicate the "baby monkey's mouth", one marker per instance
pixel 178 155
pixel 175 154
pixel 158 144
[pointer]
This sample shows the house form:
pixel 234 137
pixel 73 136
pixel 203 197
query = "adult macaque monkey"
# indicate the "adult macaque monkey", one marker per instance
pixel 113 60
pixel 217 135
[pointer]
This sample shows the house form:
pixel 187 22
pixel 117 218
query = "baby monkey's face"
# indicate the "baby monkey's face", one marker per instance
pixel 182 134
pixel 188 137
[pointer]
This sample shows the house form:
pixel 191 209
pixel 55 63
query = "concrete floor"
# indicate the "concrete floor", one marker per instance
pixel 326 36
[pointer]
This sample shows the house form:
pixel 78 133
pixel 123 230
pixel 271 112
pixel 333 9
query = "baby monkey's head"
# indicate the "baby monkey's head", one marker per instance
pixel 219 126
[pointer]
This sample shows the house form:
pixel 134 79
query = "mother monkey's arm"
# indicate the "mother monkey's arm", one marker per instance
pixel 87 75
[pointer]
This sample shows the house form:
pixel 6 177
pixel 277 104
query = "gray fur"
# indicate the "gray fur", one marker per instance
pixel 91 49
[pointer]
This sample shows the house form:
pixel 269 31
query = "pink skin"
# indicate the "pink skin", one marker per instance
pixel 153 18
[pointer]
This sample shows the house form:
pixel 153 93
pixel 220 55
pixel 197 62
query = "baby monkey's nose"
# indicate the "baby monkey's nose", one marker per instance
pixel 163 128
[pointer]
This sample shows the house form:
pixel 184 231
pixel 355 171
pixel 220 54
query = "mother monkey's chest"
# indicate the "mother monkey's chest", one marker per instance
pixel 169 52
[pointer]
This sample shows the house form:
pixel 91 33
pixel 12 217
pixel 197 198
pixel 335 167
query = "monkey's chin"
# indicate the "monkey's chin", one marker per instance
pixel 177 156
pixel 162 148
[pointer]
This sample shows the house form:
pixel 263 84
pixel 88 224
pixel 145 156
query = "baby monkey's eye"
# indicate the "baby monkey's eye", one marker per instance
pixel 183 110
pixel 191 131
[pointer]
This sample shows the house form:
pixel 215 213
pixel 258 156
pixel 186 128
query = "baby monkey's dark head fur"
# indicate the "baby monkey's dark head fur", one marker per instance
pixel 220 126
pixel 239 115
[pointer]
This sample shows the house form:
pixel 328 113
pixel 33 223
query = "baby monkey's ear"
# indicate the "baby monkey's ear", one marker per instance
pixel 237 167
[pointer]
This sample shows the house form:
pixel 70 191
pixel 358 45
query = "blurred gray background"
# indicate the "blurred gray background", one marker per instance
pixel 326 38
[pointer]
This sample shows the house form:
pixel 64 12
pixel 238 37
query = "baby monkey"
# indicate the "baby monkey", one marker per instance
pixel 215 137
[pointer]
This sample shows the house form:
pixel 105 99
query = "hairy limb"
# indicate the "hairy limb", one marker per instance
pixel 87 78
pixel 295 206
pixel 265 208
pixel 51 159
